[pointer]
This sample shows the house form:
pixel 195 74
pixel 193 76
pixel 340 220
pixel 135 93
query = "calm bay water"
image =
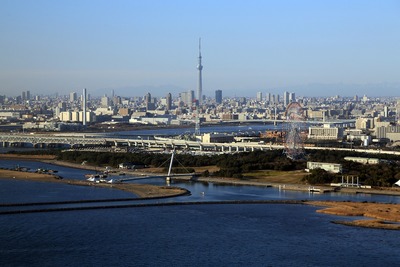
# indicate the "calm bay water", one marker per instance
pixel 194 235
pixel 216 235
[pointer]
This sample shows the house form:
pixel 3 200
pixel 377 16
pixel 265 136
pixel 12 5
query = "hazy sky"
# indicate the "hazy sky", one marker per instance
pixel 309 47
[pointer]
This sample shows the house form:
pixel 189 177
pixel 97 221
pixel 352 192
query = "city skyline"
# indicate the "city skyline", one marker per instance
pixel 134 47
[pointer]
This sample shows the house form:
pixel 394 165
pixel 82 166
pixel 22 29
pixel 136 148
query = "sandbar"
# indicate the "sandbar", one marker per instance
pixel 140 190
pixel 378 215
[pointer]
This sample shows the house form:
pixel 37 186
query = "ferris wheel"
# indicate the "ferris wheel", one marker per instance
pixel 293 142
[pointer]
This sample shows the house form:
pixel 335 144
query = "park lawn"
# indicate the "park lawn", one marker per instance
pixel 211 169
pixel 273 176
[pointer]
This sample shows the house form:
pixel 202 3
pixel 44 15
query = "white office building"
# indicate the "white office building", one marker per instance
pixel 325 133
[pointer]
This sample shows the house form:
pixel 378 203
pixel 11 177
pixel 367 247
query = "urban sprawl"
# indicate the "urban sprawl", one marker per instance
pixel 363 121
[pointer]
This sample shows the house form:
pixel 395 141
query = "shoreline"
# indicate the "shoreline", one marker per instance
pixel 219 180
pixel 139 190
pixel 379 215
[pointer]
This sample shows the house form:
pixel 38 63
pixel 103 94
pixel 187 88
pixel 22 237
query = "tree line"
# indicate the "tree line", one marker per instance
pixel 238 164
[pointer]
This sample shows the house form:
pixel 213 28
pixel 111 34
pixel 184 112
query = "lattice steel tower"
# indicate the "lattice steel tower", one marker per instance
pixel 200 84
pixel 199 93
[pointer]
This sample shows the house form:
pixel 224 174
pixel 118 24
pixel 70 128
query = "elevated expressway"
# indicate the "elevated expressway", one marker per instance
pixel 82 141
pixel 39 140
pixel 79 141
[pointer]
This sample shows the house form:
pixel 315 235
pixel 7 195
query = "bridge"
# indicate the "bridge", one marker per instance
pixel 347 122
pixel 82 141
pixel 39 140
pixel 171 175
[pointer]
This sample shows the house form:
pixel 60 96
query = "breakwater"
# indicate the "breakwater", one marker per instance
pixel 141 205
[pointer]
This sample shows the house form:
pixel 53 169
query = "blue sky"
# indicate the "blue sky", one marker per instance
pixel 313 48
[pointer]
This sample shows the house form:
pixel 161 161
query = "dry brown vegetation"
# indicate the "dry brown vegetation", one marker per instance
pixel 42 177
pixel 272 176
pixel 386 216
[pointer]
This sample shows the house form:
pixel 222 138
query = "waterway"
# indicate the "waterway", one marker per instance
pixel 185 235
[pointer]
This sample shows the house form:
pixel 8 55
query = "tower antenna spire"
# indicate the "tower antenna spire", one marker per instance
pixel 199 93
pixel 200 85
pixel 200 47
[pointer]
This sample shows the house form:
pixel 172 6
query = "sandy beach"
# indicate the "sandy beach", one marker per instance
pixel 140 190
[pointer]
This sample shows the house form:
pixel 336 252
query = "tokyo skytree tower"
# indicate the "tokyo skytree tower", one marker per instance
pixel 200 84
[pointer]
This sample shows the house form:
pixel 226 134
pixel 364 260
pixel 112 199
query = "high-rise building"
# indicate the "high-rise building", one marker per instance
pixel 190 97
pixel 385 111
pixel 286 99
pixel 28 95
pixel 292 97
pixel 72 97
pixel 147 98
pixel 218 96
pixel 84 107
pixel 117 100
pixel 105 102
pixel 150 105
pixel 268 98
pixel 187 97
pixel 169 101
pixel 62 106
pixel 259 96
pixel 398 111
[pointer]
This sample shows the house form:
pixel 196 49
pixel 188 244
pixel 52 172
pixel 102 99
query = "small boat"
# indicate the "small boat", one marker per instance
pixel 91 179
pixel 92 175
